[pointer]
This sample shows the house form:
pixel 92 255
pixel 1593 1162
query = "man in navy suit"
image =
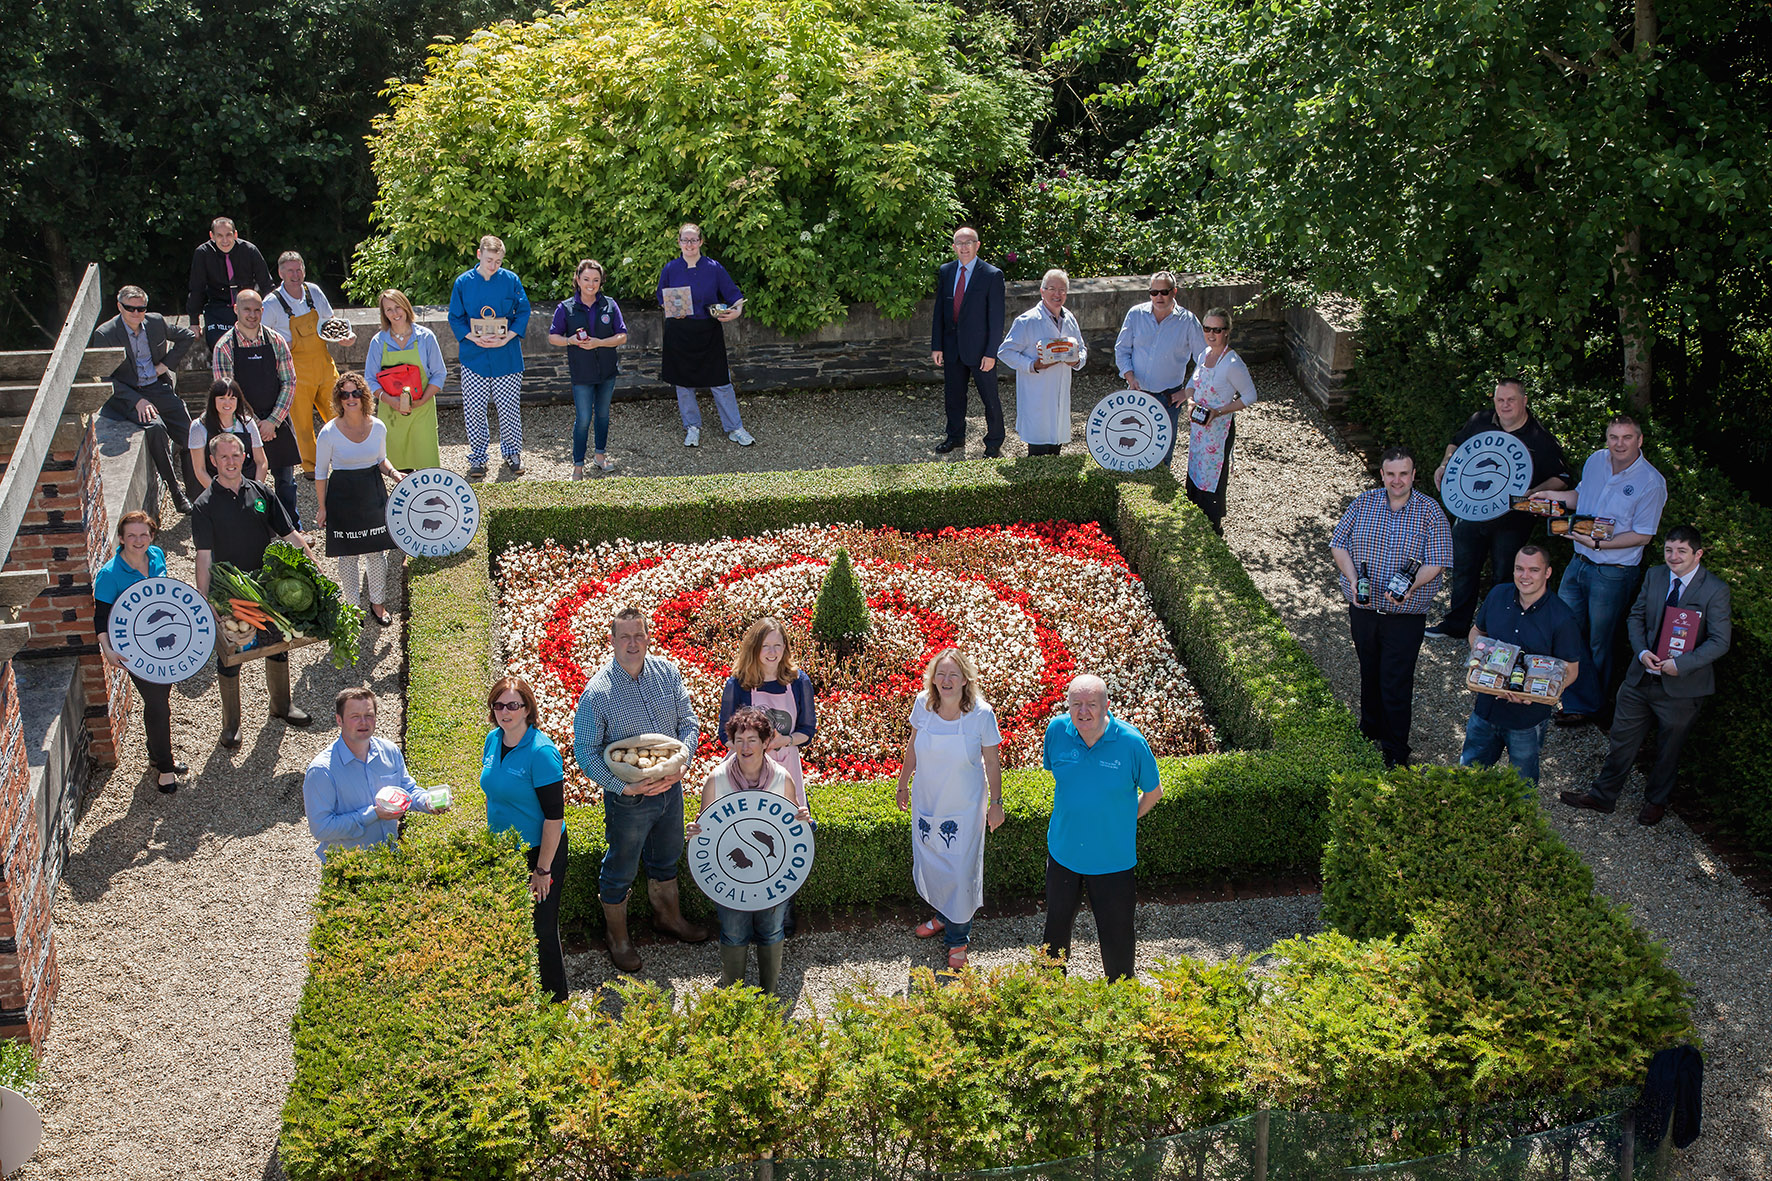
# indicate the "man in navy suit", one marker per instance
pixel 964 334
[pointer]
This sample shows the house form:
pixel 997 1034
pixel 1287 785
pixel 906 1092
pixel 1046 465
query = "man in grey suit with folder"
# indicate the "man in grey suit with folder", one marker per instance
pixel 1671 676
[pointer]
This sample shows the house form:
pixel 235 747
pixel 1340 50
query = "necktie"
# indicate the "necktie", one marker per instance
pixel 959 290
pixel 228 261
pixel 1673 593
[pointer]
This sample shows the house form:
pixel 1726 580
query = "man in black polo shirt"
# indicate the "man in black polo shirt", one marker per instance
pixel 221 268
pixel 1523 612
pixel 233 521
pixel 1498 539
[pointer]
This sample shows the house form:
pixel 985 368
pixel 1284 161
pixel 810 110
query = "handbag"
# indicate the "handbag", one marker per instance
pixel 487 324
pixel 397 380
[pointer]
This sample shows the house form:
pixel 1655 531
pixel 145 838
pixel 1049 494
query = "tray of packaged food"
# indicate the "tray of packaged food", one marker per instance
pixel 1598 528
pixel 1497 667
pixel 1538 506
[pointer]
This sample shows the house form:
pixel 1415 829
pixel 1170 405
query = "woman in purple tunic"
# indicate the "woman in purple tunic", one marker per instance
pixel 698 298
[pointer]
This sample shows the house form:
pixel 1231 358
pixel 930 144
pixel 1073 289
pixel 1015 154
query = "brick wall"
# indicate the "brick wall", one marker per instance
pixel 28 975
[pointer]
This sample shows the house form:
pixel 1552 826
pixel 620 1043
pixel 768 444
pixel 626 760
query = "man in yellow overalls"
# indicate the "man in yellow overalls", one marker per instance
pixel 294 310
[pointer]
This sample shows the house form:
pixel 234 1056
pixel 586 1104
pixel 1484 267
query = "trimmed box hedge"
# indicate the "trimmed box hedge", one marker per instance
pixel 1254 807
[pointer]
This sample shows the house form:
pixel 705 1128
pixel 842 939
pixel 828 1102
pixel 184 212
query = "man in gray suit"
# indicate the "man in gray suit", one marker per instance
pixel 144 386
pixel 1670 690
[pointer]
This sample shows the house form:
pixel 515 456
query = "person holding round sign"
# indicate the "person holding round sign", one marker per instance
pixel 136 558
pixel 1219 388
pixel 1478 534
pixel 525 785
pixel 749 767
pixel 953 775
pixel 1044 347
pixel 405 362
pixel 350 458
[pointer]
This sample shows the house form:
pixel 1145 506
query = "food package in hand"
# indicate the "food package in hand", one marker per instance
pixel 646 756
pixel 1538 506
pixel 393 799
pixel 1053 352
pixel 438 797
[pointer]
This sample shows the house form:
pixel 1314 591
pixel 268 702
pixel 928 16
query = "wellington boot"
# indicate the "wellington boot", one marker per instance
pixel 229 688
pixel 769 967
pixel 668 918
pixel 732 965
pixel 621 948
pixel 277 685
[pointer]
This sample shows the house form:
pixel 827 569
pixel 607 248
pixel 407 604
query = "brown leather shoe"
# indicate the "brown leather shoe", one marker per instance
pixel 1574 719
pixel 1582 799
pixel 1651 814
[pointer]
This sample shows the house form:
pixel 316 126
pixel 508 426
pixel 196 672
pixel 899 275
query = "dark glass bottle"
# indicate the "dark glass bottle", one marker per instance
pixel 1363 588
pixel 1516 680
pixel 1403 579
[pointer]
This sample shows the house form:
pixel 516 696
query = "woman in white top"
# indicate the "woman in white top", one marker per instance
pixel 350 457
pixel 1043 387
pixel 949 763
pixel 227 413
pixel 1221 386
pixel 749 768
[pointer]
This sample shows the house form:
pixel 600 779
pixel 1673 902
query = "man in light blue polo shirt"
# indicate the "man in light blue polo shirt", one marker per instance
pixel 1104 779
pixel 1618 483
pixel 340 787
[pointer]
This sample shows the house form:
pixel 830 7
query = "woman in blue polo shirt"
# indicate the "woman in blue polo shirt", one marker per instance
pixel 136 558
pixel 524 782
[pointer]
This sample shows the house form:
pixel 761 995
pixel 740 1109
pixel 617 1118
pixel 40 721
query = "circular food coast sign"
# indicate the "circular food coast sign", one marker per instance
pixel 21 1130
pixel 752 852
pixel 1129 431
pixel 433 513
pixel 163 629
pixel 1484 475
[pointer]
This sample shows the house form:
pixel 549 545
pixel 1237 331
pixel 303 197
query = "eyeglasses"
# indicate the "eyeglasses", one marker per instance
pixel 1165 292
pixel 505 707
pixel 688 239
pixel 134 309
pixel 1214 329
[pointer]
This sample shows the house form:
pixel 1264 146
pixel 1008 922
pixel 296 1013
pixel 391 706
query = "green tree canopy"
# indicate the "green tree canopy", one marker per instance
pixel 821 147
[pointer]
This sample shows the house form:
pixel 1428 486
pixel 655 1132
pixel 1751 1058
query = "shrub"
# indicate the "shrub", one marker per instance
pixel 840 617
pixel 18 1065
pixel 818 145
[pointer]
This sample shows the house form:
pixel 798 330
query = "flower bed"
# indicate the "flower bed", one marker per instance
pixel 1033 604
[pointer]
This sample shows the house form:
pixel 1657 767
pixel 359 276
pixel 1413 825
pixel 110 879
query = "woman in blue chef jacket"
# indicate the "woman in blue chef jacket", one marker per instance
pixel 525 787
pixel 138 558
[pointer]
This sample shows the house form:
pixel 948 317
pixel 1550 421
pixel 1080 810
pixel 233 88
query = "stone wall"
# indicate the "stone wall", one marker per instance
pixel 28 974
pixel 871 349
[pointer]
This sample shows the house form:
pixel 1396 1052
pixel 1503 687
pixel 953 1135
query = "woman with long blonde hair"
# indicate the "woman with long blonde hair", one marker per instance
pixel 766 677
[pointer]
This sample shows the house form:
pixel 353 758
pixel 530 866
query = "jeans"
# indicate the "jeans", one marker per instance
pixel 586 399
pixel 741 928
pixel 954 934
pixel 640 830
pixel 1483 742
pixel 285 480
pixel 1599 596
pixel 1110 897
pixel 547 924
pixel 1472 542
pixel 725 401
pixel 1387 646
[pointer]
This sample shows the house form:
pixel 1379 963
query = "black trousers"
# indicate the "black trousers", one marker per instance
pixel 169 441
pixel 1473 543
pixel 1387 646
pixel 955 376
pixel 1212 503
pixel 547 924
pixel 156 721
pixel 1110 898
pixel 1637 706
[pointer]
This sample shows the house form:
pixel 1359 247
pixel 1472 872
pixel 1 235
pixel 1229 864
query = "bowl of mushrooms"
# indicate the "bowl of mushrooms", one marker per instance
pixel 645 756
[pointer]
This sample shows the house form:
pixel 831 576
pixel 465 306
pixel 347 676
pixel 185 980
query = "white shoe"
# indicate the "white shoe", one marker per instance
pixel 692 437
pixel 742 437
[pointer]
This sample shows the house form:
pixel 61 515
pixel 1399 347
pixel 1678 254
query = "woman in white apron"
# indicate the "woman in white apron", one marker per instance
pixel 750 768
pixel 952 784
pixel 1043 385
pixel 1221 386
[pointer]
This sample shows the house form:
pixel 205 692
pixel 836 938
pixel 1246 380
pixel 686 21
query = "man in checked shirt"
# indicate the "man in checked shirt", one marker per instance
pixel 634 694
pixel 1393 533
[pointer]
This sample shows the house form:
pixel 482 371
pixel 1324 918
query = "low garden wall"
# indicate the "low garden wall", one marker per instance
pixel 1471 962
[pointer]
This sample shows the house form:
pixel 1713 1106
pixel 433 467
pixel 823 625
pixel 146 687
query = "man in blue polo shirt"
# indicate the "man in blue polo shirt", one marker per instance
pixel 1104 779
pixel 1527 614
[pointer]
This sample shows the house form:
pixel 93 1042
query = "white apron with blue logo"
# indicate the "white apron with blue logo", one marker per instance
pixel 948 797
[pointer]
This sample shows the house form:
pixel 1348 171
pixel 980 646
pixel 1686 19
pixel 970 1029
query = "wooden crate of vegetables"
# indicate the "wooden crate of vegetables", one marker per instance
pixel 287 604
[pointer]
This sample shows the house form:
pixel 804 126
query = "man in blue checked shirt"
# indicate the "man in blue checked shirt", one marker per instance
pixel 1393 533
pixel 634 694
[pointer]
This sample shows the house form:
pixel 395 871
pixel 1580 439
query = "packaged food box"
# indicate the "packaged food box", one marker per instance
pixel 1062 349
pixel 1538 507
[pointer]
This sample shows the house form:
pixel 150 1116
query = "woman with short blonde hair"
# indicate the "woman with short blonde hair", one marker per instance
pixel 405 362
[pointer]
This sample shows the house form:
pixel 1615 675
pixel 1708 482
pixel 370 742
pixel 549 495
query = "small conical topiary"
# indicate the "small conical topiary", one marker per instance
pixel 840 620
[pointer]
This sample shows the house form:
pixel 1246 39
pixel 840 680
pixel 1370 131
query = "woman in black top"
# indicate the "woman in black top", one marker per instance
pixel 226 413
pixel 590 328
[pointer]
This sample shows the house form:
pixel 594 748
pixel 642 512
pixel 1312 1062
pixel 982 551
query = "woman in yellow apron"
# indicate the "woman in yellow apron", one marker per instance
pixel 410 410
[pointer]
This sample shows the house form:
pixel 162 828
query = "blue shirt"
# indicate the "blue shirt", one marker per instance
pixel 504 294
pixel 1095 792
pixel 707 281
pixel 510 779
pixel 338 793
pixel 1158 354
pixel 117 575
pixel 1633 498
pixel 1546 628
pixel 146 371
pixel 616 706
pixel 1386 539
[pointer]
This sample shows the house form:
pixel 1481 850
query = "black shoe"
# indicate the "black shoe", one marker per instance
pixel 1439 631
pixel 1651 814
pixel 515 465
pixel 476 469
pixel 180 770
pixel 1583 799
pixel 182 503
pixel 947 445
pixel 384 619
pixel 1572 720
pixel 167 789
pixel 993 453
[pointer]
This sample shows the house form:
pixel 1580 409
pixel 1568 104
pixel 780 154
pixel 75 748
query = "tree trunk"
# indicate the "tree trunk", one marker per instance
pixel 1633 319
pixel 61 270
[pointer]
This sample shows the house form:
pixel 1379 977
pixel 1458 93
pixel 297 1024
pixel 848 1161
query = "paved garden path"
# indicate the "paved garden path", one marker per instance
pixel 182 922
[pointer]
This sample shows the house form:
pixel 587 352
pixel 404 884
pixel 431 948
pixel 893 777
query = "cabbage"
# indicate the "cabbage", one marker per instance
pixel 293 594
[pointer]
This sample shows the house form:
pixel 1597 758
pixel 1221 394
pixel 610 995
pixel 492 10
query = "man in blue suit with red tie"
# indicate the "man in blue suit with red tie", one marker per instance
pixel 964 334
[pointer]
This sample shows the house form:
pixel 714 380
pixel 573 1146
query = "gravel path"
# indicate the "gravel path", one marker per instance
pixel 182 921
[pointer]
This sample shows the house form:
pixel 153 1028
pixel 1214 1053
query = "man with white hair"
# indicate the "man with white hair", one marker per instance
pixel 1104 779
